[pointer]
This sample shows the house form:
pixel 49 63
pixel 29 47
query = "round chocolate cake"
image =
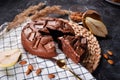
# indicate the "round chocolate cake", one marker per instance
pixel 39 37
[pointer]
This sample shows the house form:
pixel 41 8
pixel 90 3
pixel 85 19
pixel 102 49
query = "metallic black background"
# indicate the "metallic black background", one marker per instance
pixel 109 13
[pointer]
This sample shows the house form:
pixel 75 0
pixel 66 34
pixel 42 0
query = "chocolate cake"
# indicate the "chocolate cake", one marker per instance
pixel 39 37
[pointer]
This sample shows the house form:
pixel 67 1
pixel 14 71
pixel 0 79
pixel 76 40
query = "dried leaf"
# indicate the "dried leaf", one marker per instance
pixel 96 27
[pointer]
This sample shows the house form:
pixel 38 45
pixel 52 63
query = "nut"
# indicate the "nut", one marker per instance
pixel 105 56
pixel 30 67
pixel 51 76
pixel 110 61
pixel 110 52
pixel 38 71
pixel 28 71
pixel 76 16
pixel 23 62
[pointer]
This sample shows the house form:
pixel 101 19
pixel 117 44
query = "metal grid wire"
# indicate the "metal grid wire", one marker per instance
pixel 12 40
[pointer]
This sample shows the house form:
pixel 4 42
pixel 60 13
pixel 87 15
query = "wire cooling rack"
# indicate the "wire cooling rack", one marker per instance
pixel 12 40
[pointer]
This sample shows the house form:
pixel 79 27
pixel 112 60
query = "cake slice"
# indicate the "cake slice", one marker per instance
pixel 74 47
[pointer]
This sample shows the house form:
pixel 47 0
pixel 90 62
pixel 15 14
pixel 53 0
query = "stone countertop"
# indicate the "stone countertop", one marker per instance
pixel 111 17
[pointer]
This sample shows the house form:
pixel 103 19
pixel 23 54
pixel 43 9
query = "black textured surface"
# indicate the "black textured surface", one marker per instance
pixel 109 13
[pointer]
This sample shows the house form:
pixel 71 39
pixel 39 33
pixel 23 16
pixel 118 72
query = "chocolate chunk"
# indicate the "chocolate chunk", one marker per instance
pixel 39 26
pixel 27 31
pixel 31 37
pixel 36 43
pixel 45 39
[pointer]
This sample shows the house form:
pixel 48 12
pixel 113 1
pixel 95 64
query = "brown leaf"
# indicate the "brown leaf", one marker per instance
pixel 96 27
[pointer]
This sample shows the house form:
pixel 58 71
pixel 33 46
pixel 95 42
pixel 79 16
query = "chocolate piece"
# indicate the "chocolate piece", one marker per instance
pixel 36 43
pixel 27 31
pixel 31 37
pixel 45 39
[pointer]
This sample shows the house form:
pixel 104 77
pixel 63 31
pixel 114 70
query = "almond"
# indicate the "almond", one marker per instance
pixel 51 76
pixel 28 71
pixel 38 71
pixel 110 61
pixel 105 56
pixel 110 52
pixel 30 67
pixel 23 62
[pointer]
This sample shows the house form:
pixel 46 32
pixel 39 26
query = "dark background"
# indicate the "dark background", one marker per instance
pixel 111 17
